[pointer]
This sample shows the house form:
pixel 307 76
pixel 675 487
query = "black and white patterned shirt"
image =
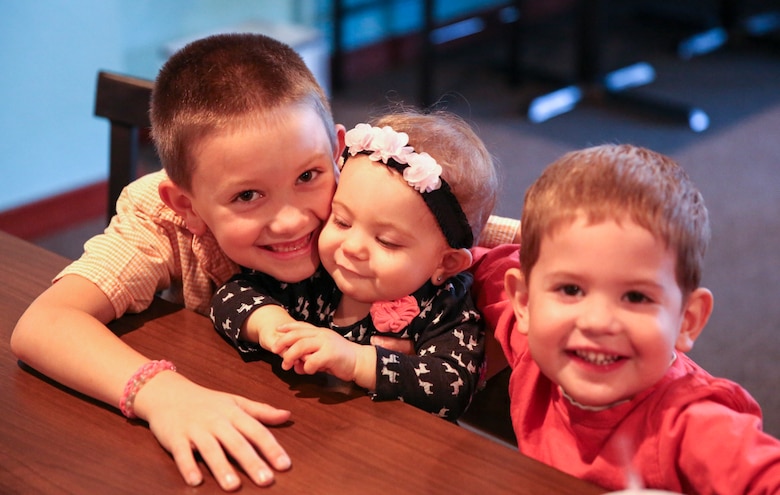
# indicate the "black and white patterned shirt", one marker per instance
pixel 448 335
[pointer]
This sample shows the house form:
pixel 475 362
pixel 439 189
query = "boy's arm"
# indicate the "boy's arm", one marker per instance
pixel 63 335
pixel 489 268
pixel 729 423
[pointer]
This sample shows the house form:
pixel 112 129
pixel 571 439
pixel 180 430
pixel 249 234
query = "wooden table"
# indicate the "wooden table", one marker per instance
pixel 54 440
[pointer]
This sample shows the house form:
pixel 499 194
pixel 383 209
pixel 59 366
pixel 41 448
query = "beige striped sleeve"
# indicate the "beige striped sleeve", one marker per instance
pixel 500 230
pixel 134 257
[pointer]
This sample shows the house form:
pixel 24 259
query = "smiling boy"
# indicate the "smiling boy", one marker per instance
pixel 595 318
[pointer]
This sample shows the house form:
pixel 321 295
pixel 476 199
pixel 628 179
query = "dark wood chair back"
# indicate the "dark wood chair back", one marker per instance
pixel 124 101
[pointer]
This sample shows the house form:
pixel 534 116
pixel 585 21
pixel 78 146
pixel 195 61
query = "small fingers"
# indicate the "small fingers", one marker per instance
pixel 290 333
pixel 313 363
pixel 282 343
pixel 185 461
pixel 264 413
pixel 214 457
pixel 261 437
pixel 297 353
pixel 237 444
pixel 246 439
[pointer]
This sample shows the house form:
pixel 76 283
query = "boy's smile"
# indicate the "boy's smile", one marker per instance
pixel 264 189
pixel 603 311
pixel 290 247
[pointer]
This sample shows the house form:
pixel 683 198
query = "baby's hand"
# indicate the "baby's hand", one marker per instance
pixel 186 417
pixel 310 349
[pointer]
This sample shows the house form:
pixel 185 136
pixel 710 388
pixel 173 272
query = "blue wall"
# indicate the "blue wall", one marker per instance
pixel 51 50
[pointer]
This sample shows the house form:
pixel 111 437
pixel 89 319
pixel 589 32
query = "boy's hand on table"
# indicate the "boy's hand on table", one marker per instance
pixel 186 417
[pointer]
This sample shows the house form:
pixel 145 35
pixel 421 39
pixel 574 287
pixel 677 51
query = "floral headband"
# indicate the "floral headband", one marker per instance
pixel 420 170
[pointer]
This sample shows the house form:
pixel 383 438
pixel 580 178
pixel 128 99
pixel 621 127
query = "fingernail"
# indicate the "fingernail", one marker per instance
pixel 230 480
pixel 283 462
pixel 194 479
pixel 264 477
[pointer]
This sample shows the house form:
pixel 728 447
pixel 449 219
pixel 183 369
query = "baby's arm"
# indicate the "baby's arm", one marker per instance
pixel 63 334
pixel 442 377
pixel 244 311
pixel 249 309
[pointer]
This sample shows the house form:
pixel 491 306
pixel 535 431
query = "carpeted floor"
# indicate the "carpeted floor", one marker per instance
pixel 736 164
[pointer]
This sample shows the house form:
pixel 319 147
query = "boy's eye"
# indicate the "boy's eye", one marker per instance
pixel 247 196
pixel 308 176
pixel 570 289
pixel 636 297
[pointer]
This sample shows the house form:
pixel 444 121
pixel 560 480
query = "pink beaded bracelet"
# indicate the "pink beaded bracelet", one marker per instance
pixel 139 378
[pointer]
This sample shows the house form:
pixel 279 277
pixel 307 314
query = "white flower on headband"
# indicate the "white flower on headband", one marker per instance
pixel 359 138
pixel 423 173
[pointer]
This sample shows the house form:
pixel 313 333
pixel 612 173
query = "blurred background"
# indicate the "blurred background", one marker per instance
pixel 697 80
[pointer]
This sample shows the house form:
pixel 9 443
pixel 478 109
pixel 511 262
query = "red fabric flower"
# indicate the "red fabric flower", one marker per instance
pixel 394 316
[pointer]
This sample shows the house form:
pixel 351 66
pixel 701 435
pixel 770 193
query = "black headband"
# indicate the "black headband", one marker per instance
pixel 443 204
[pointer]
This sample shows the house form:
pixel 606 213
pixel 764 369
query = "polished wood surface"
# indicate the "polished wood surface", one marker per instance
pixel 54 440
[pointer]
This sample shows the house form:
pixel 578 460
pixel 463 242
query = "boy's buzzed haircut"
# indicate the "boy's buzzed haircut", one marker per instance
pixel 224 82
pixel 613 182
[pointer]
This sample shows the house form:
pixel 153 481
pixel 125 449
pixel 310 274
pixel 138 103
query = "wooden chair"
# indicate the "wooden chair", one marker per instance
pixel 124 101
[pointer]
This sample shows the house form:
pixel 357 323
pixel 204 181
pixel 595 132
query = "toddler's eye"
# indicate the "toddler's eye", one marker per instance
pixel 636 297
pixel 247 196
pixel 570 289
pixel 339 222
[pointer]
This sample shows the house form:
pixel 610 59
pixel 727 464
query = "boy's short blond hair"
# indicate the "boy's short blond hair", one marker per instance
pixel 620 182
pixel 224 82
pixel 467 166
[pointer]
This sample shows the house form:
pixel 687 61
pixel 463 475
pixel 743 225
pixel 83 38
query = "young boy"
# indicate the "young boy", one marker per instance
pixel 248 145
pixel 595 320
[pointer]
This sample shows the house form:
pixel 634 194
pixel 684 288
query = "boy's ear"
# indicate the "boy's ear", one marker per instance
pixel 517 292
pixel 453 262
pixel 180 201
pixel 341 132
pixel 696 312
